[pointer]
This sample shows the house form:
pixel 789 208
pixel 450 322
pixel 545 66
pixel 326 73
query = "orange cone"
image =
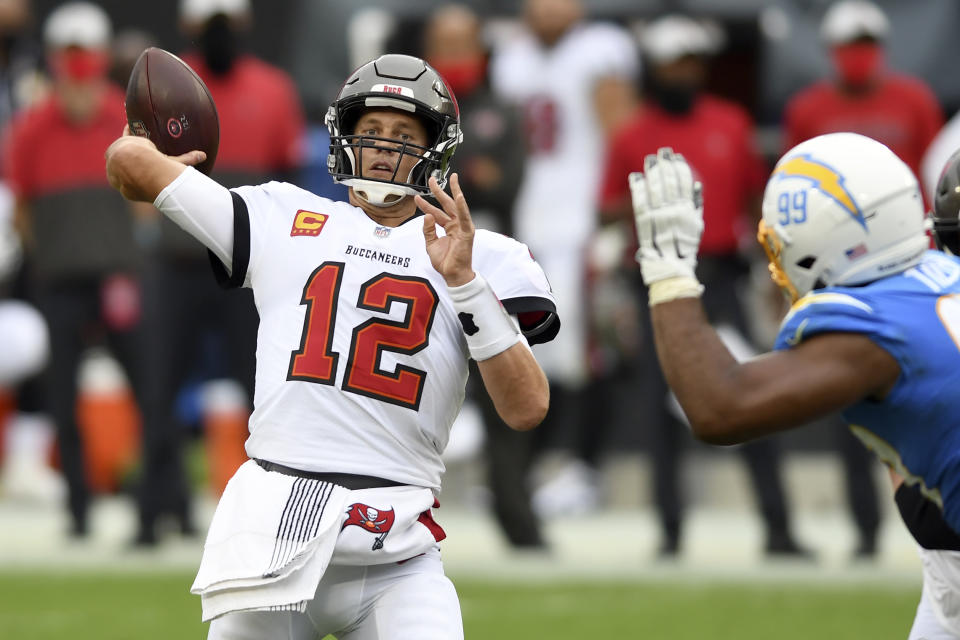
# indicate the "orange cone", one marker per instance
pixel 226 432
pixel 110 432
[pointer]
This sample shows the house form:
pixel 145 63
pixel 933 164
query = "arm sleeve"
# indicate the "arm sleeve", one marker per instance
pixel 203 208
pixel 521 286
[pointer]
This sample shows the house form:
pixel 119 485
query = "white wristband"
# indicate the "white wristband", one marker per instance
pixel 488 327
pixel 673 289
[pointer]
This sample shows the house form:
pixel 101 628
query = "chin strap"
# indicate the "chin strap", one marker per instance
pixel 379 194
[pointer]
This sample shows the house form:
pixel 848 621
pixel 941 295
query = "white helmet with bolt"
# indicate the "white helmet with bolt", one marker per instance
pixel 840 209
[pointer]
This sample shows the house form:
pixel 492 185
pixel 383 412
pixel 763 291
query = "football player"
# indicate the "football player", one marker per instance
pixel 938 614
pixel 946 207
pixel 369 314
pixel 875 321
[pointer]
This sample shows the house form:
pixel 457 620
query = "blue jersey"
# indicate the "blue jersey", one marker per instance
pixel 915 316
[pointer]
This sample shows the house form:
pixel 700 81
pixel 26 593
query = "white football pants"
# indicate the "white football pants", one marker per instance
pixel 409 601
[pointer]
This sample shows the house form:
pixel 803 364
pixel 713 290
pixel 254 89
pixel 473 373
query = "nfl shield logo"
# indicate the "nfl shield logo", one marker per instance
pixel 381 232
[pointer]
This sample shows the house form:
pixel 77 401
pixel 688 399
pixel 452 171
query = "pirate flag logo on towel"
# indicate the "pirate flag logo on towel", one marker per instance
pixel 370 519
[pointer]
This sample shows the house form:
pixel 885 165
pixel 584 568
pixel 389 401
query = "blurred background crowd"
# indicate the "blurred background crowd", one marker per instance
pixel 132 373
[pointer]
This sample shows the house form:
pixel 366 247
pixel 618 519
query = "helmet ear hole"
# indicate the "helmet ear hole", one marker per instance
pixel 807 262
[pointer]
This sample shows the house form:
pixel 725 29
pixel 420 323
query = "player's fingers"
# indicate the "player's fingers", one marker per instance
pixel 668 173
pixel 191 158
pixel 684 177
pixel 428 208
pixel 638 192
pixel 446 202
pixel 466 222
pixel 429 227
pixel 654 181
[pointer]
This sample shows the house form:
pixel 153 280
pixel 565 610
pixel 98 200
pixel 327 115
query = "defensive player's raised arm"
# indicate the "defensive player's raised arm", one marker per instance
pixel 198 204
pixel 727 401
pixel 511 374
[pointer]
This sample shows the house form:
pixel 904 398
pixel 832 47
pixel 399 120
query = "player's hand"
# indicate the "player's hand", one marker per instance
pixel 190 158
pixel 451 254
pixel 668 208
pixel 139 171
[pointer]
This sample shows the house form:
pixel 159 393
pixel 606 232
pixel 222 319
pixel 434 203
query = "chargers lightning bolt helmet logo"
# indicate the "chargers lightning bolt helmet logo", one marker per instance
pixel 825 179
pixel 816 209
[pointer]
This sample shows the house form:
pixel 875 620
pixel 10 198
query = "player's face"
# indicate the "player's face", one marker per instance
pixel 379 158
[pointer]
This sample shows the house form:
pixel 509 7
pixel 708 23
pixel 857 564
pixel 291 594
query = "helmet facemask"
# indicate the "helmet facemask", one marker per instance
pixel 403 84
pixel 773 247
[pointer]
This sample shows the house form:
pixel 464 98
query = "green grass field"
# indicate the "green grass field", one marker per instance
pixel 146 606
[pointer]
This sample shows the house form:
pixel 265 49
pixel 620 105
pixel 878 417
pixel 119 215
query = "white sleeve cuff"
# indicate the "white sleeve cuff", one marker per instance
pixel 203 208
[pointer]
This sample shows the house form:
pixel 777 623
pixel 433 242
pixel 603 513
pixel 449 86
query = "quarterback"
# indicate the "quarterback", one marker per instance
pixel 874 329
pixel 369 314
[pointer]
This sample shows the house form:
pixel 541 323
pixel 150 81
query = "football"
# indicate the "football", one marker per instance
pixel 168 103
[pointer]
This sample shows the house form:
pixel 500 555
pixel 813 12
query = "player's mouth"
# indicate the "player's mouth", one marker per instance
pixel 381 169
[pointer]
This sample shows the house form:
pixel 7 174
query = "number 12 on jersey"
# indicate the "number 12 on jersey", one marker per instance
pixel 316 361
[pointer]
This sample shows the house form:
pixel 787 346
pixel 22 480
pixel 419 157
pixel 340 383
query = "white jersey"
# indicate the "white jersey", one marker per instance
pixel 361 360
pixel 554 86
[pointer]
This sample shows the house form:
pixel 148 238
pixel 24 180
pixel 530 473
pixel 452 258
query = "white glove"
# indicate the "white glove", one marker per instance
pixel 668 208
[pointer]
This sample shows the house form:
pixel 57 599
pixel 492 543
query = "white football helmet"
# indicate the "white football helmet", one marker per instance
pixel 840 209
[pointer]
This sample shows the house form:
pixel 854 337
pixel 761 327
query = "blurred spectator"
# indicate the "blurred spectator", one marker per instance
pixel 22 81
pixel 897 110
pixel 77 229
pixel 127 46
pixel 864 97
pixel 572 79
pixel 26 435
pixel 261 137
pixel 490 164
pixel 715 137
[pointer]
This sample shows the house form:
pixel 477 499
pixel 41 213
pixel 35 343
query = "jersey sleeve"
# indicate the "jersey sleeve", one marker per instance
pixel 834 312
pixel 611 51
pixel 254 208
pixel 519 283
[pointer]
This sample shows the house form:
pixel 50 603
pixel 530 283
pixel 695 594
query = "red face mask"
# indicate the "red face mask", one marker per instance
pixel 79 65
pixel 858 63
pixel 463 76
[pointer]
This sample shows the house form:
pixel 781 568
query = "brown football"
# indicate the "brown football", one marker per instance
pixel 168 103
